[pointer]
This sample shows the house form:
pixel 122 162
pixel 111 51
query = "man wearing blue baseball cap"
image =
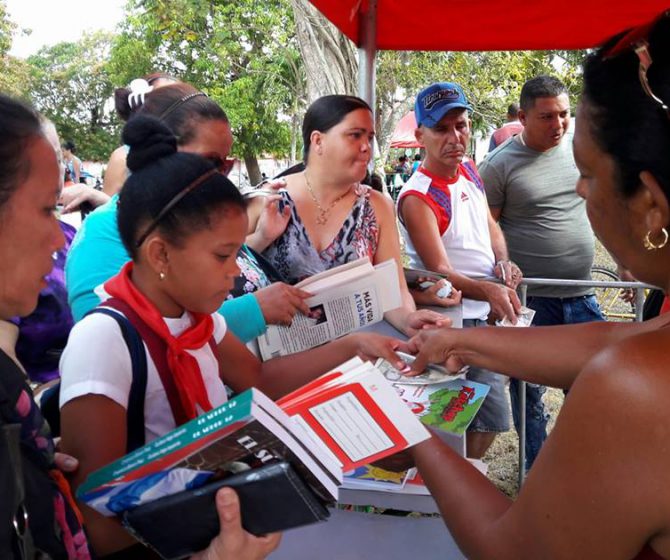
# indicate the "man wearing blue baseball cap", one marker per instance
pixel 448 229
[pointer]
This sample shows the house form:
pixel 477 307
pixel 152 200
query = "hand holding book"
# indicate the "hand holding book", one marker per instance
pixel 233 541
pixel 298 447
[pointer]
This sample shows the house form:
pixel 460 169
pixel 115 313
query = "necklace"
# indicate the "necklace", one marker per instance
pixel 322 218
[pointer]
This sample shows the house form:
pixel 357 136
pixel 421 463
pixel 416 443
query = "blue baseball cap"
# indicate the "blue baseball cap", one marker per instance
pixel 437 100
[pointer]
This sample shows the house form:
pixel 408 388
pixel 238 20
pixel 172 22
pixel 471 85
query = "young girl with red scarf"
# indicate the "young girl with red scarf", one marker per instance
pixel 183 224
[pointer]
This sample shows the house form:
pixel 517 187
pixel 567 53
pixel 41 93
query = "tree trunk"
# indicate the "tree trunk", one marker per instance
pixel 390 112
pixel 331 64
pixel 253 170
pixel 295 131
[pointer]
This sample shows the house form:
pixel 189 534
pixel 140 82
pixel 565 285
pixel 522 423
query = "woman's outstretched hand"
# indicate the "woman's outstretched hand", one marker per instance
pixel 425 319
pixel 370 346
pixel 280 302
pixel 435 347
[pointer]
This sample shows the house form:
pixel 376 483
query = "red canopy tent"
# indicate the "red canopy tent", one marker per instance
pixel 480 25
pixel 403 135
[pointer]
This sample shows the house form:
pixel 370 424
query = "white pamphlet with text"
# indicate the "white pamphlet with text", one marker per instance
pixel 344 298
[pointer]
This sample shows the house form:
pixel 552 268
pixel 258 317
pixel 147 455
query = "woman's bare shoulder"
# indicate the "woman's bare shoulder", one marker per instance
pixel 382 204
pixel 605 463
pixel 640 357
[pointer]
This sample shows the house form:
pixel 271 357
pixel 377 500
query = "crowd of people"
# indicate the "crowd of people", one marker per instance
pixel 173 250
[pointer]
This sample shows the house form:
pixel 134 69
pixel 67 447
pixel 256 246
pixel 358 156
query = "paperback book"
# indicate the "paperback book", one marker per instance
pixel 449 406
pixel 344 298
pixel 347 418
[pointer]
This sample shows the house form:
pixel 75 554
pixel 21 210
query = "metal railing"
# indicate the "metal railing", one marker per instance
pixel 638 289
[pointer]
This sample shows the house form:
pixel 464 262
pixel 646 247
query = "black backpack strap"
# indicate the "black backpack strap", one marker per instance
pixel 138 387
pixel 11 444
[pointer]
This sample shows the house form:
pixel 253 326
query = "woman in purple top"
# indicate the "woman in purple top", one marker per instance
pixel 43 333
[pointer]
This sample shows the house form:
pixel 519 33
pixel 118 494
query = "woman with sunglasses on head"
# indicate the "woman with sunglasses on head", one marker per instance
pixel 183 223
pixel 332 217
pixel 599 487
pixel 45 523
pixel 97 253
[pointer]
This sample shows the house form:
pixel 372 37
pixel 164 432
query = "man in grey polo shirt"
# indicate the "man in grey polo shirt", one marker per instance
pixel 530 185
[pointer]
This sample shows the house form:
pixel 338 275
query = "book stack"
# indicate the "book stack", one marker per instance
pixel 285 459
pixel 439 400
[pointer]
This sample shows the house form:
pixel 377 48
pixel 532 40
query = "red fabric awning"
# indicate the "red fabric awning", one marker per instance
pixel 484 25
pixel 403 135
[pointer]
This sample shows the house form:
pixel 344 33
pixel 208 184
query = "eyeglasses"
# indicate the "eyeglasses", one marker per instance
pixel 637 40
pixel 172 203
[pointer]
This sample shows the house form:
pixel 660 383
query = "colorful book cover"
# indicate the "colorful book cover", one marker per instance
pixel 376 478
pixel 238 435
pixel 448 406
pixel 175 446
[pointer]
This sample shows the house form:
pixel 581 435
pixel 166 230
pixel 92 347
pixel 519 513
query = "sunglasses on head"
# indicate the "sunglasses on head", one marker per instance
pixel 223 165
pixel 637 40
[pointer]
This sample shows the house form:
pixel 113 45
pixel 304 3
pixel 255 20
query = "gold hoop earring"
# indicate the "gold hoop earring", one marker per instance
pixel 649 245
pixel 161 275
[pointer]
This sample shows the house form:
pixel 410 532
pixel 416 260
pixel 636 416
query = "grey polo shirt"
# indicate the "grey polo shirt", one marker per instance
pixel 545 224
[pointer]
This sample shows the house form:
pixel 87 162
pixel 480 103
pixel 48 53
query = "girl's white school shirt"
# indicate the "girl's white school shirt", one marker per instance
pixel 96 361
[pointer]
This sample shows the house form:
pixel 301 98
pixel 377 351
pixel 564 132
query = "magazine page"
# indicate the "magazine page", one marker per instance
pixel 335 312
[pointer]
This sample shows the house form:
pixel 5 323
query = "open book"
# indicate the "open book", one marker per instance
pixel 346 418
pixel 344 298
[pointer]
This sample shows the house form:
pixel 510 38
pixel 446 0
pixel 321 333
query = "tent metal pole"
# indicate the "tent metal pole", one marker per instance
pixel 367 53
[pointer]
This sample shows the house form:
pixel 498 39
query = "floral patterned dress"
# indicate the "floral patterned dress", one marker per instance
pixel 294 256
pixel 255 273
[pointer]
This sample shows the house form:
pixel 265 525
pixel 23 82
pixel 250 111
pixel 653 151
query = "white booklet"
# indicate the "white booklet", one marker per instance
pixel 344 298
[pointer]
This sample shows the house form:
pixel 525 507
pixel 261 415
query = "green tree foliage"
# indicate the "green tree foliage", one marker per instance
pixel 245 55
pixel 6 30
pixel 491 80
pixel 14 74
pixel 242 53
pixel 71 86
